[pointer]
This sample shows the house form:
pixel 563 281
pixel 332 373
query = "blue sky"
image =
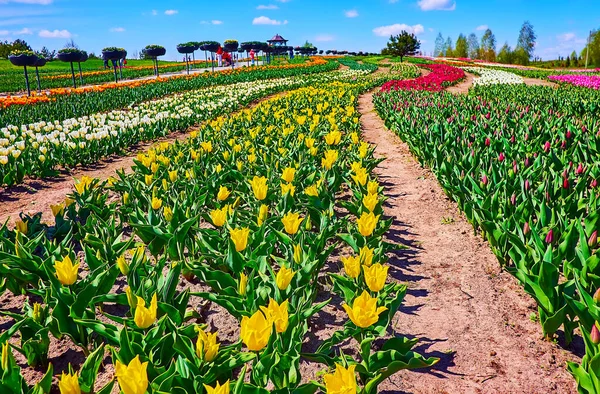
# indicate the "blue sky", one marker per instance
pixel 561 25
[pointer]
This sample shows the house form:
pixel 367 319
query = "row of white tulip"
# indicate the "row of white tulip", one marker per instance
pixel 493 77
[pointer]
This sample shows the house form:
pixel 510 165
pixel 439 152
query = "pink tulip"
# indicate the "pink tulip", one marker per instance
pixel 547 147
pixel 550 237
pixel 595 335
pixel 579 169
pixel 593 240
pixel 501 157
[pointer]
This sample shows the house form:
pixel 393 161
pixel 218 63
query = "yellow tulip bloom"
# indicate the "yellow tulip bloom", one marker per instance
pixel 207 146
pixel 297 254
pixel 223 193
pixel 154 167
pixel 6 353
pixel 83 184
pixel 291 222
pixel 375 276
pixel 255 331
pixel 259 187
pixel 125 198
pixel 168 213
pixel 133 378
pixel 373 187
pixel 330 158
pixel 343 381
pixel 361 176
pixel 367 223
pixel 277 314
pixel 173 175
pixel 333 137
pixel 288 174
pixel 364 312
pixel 66 271
pixel 21 226
pixel 284 277
pixel 239 236
pixel 312 191
pixel 370 201
pixel 351 266
pixel 57 209
pixel 122 264
pixel 68 202
pixel 207 346
pixel 145 317
pixel 262 214
pixel 366 256
pixel 156 203
pixel 243 283
pixel 69 384
pixel 309 142
pixel 218 389
pixel 148 179
pixel 288 188
pixel 219 216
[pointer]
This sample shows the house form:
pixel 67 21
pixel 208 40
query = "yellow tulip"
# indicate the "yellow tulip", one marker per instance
pixel 223 193
pixel 66 271
pixel 165 184
pixel 156 203
pixel 68 202
pixel 330 158
pixel 291 222
pixel 364 312
pixel 83 184
pixel 366 256
pixel 284 277
pixel 262 214
pixel 37 312
pixel 312 191
pixel 343 381
pixel 333 138
pixel 363 149
pixel 218 168
pixel 351 266
pixel 69 384
pixel 21 226
pixel 297 254
pixel 125 198
pixel 375 276
pixel 145 317
pixel 207 146
pixel 122 264
pixel 173 175
pixel 288 174
pixel 354 137
pixel 277 314
pixel 6 353
pixel 239 236
pixel 361 176
pixel 133 378
pixel 309 142
pixel 207 346
pixel 367 223
pixel 57 209
pixel 168 213
pixel 370 201
pixel 243 283
pixel 154 167
pixel 219 216
pixel 373 187
pixel 148 179
pixel 259 187
pixel 255 331
pixel 218 389
pixel 288 188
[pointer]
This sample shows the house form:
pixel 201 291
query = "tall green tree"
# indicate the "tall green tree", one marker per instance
pixel 462 47
pixel 439 46
pixel 473 44
pixel 506 54
pixel 449 51
pixel 403 44
pixel 575 59
pixel 488 46
pixel 525 44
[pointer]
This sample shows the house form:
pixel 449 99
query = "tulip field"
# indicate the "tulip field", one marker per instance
pixel 214 264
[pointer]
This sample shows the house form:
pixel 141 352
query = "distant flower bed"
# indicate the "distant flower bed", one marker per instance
pixel 441 76
pixel 588 81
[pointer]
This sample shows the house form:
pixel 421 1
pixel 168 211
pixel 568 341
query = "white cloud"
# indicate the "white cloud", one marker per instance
pixel 24 31
pixel 267 7
pixel 39 2
pixel 566 37
pixel 482 27
pixel 384 31
pixel 437 5
pixel 324 38
pixel 565 44
pixel 393 1
pixel 263 20
pixel 4 33
pixel 154 12
pixel 216 22
pixel 171 12
pixel 55 34
pixel 117 29
pixel 351 13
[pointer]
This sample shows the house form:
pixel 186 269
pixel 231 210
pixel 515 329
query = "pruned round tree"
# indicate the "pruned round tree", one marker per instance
pixel 404 44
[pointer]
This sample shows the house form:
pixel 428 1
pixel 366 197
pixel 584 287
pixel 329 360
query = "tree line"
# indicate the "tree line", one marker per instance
pixel 485 48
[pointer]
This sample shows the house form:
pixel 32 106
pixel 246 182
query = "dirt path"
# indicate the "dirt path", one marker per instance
pixel 538 82
pixel 464 86
pixel 461 305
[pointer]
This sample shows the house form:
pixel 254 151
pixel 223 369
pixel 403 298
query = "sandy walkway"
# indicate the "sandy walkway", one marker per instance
pixel 465 310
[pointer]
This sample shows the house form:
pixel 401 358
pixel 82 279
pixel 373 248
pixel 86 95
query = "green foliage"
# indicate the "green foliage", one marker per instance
pixel 403 44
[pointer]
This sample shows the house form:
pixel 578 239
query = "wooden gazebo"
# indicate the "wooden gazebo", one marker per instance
pixel 277 40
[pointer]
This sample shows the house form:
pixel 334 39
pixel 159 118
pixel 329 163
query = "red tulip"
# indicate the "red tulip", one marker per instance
pixel 594 183
pixel 569 133
pixel 565 183
pixel 484 180
pixel 501 157
pixel 550 237
pixel 487 141
pixel 593 240
pixel 595 335
pixel 547 147
pixel 579 169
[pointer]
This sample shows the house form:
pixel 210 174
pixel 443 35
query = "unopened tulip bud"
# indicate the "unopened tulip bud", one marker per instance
pixel 527 185
pixel 569 133
pixel 501 157
pixel 487 141
pixel 579 169
pixel 565 183
pixel 593 240
pixel 594 183
pixel 550 237
pixel 547 147
pixel 596 296
pixel 595 335
pixel 526 228
pixel 484 180
pixel 513 199
pixel 526 162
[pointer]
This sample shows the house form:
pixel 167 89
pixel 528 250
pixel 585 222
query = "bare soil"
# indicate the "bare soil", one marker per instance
pixel 463 86
pixel 460 304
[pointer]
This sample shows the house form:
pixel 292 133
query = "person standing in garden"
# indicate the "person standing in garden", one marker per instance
pixel 220 57
pixel 252 54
